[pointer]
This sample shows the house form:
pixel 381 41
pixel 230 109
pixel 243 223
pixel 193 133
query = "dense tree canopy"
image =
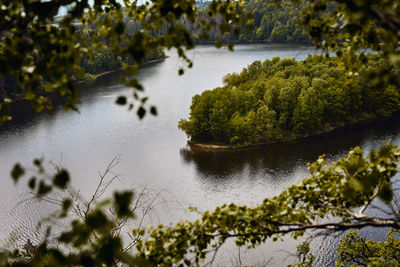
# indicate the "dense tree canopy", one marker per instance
pixel 284 99
pixel 355 249
pixel 270 23
pixel 275 23
pixel 352 27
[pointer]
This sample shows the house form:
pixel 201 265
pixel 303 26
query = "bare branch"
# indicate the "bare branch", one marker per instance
pixel 102 185
pixel 338 226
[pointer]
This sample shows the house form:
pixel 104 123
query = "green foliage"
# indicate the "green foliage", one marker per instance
pixel 306 258
pixel 40 54
pixel 61 179
pixel 342 190
pixel 276 22
pixel 92 239
pixel 271 22
pixel 43 55
pixel 350 28
pixel 121 100
pixel 107 60
pixel 333 190
pixel 355 250
pixel 284 99
pixel 17 172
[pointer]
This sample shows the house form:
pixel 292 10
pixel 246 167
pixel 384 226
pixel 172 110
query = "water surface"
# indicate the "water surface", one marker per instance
pixel 153 152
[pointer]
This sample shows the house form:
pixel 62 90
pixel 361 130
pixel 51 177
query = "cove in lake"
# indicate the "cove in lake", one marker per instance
pixel 154 151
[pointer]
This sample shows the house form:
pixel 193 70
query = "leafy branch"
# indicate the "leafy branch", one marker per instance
pixel 343 190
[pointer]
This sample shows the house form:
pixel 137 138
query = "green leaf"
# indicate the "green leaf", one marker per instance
pixel 30 95
pixel 386 192
pixel 32 183
pixel 96 219
pixel 37 162
pixel 121 100
pixel 43 189
pixel 141 112
pixel 17 172
pixel 122 202
pixel 66 205
pixel 109 252
pixel 153 110
pixel 61 179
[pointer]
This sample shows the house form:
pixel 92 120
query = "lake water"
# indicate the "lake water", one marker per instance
pixel 153 153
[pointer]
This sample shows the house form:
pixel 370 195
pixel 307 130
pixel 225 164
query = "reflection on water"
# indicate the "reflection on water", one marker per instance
pixel 284 164
pixel 154 151
pixel 220 166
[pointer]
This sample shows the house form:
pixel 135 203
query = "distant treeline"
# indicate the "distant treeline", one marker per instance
pixel 284 99
pixel 102 60
pixel 272 23
pixel 275 23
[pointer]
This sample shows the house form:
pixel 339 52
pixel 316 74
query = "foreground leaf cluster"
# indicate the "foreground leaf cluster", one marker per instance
pixel 42 54
pixel 342 190
pixel 335 197
pixel 355 250
pixel 43 58
pixel 93 237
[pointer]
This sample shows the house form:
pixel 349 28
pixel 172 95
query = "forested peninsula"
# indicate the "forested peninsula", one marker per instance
pixel 282 100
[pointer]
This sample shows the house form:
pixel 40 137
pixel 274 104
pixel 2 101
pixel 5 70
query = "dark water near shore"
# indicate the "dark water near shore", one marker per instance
pixel 153 152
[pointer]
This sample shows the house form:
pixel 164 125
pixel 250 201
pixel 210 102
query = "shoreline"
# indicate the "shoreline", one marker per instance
pixel 96 76
pixel 216 147
pixel 144 64
pixel 25 105
pixel 205 43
